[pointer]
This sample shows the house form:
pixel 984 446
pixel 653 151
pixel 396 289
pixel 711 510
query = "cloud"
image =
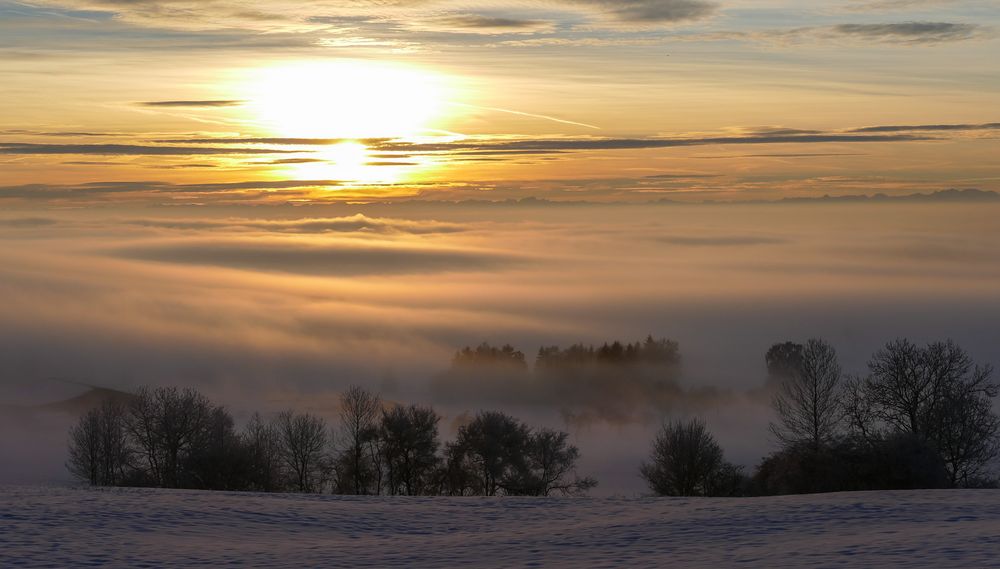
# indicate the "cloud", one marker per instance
pixel 195 104
pixel 928 128
pixel 97 189
pixel 781 155
pixel 270 140
pixel 911 32
pixel 654 11
pixel 25 148
pixel 877 5
pixel 719 240
pixel 24 132
pixel 480 24
pixel 340 15
pixel 28 222
pixel 318 259
pixel 903 33
pixel 355 223
pixel 580 144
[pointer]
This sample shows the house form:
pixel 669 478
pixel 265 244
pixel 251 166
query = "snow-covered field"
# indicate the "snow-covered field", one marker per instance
pixel 68 527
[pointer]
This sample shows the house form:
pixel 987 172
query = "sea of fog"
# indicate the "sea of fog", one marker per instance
pixel 282 307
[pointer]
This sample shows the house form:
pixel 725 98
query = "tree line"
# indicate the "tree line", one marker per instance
pixel 921 417
pixel 172 438
pixel 654 351
pixel 616 382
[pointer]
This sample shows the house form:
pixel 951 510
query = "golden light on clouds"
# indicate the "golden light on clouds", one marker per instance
pixel 345 99
pixel 350 162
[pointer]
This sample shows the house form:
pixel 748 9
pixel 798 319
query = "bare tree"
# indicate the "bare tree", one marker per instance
pixel 264 451
pixel 99 451
pixel 936 394
pixel 360 411
pixel 685 460
pixel 165 423
pixel 487 451
pixel 409 448
pixel 807 401
pixel 966 435
pixel 218 460
pixel 303 443
pixel 549 467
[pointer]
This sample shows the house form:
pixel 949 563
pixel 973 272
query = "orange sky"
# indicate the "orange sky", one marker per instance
pixel 560 99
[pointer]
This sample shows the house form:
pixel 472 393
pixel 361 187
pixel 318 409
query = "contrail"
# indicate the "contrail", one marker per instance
pixel 532 115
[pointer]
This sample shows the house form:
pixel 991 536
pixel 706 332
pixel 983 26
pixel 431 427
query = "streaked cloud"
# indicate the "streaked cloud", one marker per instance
pixel 919 33
pixel 581 144
pixel 356 223
pixel 654 11
pixel 482 24
pixel 285 15
pixel 325 259
pixel 929 128
pixel 194 104
pixel 25 148
pixel 911 32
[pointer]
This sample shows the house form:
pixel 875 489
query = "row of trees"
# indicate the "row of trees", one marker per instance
pixel 652 351
pixel 171 438
pixel 617 382
pixel 922 417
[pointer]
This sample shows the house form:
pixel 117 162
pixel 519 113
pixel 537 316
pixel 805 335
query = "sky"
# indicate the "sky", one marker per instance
pixel 440 99
pixel 271 201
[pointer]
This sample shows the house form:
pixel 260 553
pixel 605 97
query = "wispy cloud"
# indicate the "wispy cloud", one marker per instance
pixel 654 11
pixel 929 128
pixel 358 223
pixel 97 189
pixel 341 259
pixel 482 24
pixel 191 104
pixel 911 32
pixel 900 33
pixel 580 144
pixel 128 149
pixel 434 15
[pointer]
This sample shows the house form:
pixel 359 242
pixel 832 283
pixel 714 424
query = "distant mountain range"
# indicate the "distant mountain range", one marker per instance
pixel 967 195
pixel 970 195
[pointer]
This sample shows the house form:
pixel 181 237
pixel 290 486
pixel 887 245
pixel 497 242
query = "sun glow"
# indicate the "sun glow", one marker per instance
pixel 346 99
pixel 347 162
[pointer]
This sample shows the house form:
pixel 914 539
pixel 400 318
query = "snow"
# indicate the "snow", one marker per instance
pixel 79 527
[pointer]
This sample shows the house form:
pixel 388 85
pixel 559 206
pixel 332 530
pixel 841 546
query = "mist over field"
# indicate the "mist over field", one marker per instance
pixel 284 307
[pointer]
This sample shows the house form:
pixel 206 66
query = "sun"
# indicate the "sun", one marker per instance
pixel 345 161
pixel 347 99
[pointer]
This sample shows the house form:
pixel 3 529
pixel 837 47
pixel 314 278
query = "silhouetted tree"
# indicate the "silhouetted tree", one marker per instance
pixel 303 444
pixel 936 394
pixel 409 448
pixel 454 477
pixel 783 361
pixel 486 354
pixel 263 448
pixel 165 423
pixel 360 411
pixel 490 449
pixel 99 449
pixel 615 382
pixel 219 460
pixel 898 462
pixel 685 461
pixel 807 401
pixel 549 467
